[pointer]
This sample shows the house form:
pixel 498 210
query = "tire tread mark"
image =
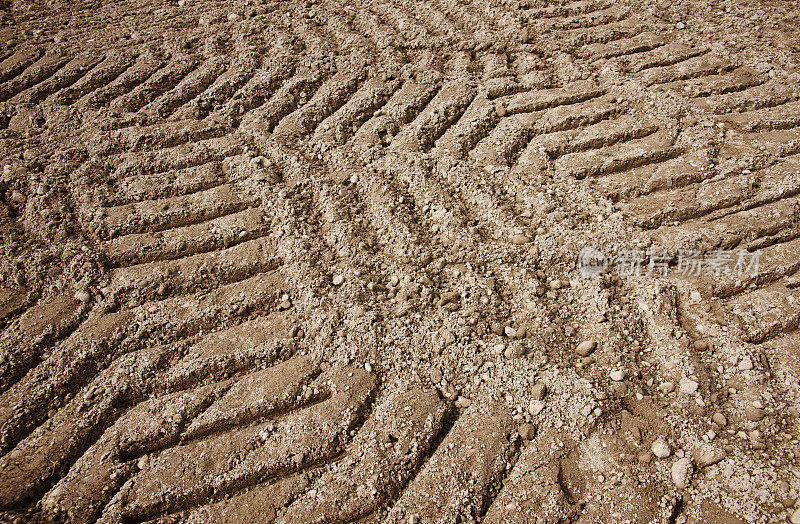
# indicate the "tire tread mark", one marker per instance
pixel 40 326
pixel 177 211
pixel 532 101
pixel 780 117
pixel 651 149
pixel 478 445
pixel 165 135
pixel 768 312
pixel 142 69
pixel 315 434
pixel 184 156
pixel 695 67
pixel 41 458
pixel 588 20
pixel 133 285
pixel 666 55
pixel 402 108
pixel 283 102
pixel 570 9
pixel 101 75
pixel 513 135
pixel 190 86
pixel 740 79
pixel 258 395
pixel 603 34
pixel 178 242
pixel 475 124
pixel 156 84
pixel 646 41
pixel 159 422
pixel 37 72
pixel 332 95
pixel 66 76
pixel 736 193
pixel 18 62
pixel 768 94
pixel 675 173
pixel 98 474
pixel 383 454
pixel 83 353
pixel 277 69
pixel 594 136
pixel 433 121
pixel 341 125
pixel 778 261
pixel 532 487
pixel 241 71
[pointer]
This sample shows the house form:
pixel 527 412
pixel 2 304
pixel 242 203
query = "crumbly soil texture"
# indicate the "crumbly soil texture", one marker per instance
pixel 325 261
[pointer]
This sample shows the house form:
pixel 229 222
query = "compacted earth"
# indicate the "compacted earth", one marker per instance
pixel 400 261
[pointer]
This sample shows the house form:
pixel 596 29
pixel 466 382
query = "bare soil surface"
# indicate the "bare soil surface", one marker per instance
pixel 320 261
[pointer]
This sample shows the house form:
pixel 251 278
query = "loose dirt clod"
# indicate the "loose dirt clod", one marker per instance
pixel 660 448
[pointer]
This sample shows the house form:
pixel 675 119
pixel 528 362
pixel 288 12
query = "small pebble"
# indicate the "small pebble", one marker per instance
pixel 519 239
pixel 527 431
pixel 795 518
pixel 513 351
pixel 753 413
pixel 83 296
pixel 708 454
pixel 688 386
pixel 462 402
pixel 746 364
pixel 660 448
pixel 617 375
pixel 535 407
pixel 539 391
pixel 681 472
pixel 446 338
pixel 720 419
pixel 338 280
pixel 586 347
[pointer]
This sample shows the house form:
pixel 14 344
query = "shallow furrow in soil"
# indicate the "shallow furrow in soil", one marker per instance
pixel 102 74
pixel 37 72
pixel 139 72
pixel 66 76
pixel 17 62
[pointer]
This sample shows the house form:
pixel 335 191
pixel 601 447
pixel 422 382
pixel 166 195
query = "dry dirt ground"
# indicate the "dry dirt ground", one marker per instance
pixel 318 261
